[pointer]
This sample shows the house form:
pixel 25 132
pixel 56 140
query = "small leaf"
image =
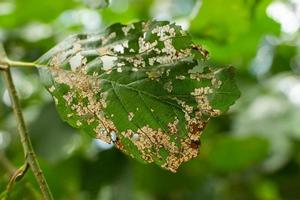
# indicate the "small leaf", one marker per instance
pixel 143 87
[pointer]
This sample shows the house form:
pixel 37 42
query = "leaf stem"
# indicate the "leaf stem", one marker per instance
pixel 4 61
pixel 19 64
pixel 25 139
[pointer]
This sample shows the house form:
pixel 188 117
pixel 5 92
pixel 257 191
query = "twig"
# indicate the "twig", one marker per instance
pixel 25 140
pixel 17 175
pixel 10 170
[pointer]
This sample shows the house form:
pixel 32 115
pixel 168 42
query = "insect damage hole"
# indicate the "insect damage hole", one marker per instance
pixel 76 61
pixel 108 62
pixel 135 137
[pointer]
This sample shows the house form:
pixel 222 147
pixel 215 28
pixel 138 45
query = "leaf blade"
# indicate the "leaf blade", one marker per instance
pixel 139 87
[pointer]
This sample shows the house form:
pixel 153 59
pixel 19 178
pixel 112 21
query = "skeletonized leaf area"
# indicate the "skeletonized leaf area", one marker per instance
pixel 144 87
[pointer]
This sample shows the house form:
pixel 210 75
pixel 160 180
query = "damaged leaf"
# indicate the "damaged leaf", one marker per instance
pixel 144 87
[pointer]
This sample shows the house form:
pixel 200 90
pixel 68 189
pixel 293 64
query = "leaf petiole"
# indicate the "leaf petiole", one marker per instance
pixel 12 63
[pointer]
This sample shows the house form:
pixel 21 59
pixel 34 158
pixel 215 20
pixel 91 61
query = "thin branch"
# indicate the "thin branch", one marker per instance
pixel 25 140
pixel 10 170
pixel 17 176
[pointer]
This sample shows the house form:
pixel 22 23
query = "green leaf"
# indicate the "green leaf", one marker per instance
pixel 143 87
pixel 232 31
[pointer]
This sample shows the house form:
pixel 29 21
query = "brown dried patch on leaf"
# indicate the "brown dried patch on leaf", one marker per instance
pixel 195 127
pixel 87 106
pixel 200 49
pixel 203 103
pixel 173 126
pixel 150 141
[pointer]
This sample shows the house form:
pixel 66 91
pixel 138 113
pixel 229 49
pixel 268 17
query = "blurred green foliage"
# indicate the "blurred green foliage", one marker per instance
pixel 253 152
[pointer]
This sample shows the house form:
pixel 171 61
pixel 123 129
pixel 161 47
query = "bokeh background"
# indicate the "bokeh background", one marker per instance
pixel 251 153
